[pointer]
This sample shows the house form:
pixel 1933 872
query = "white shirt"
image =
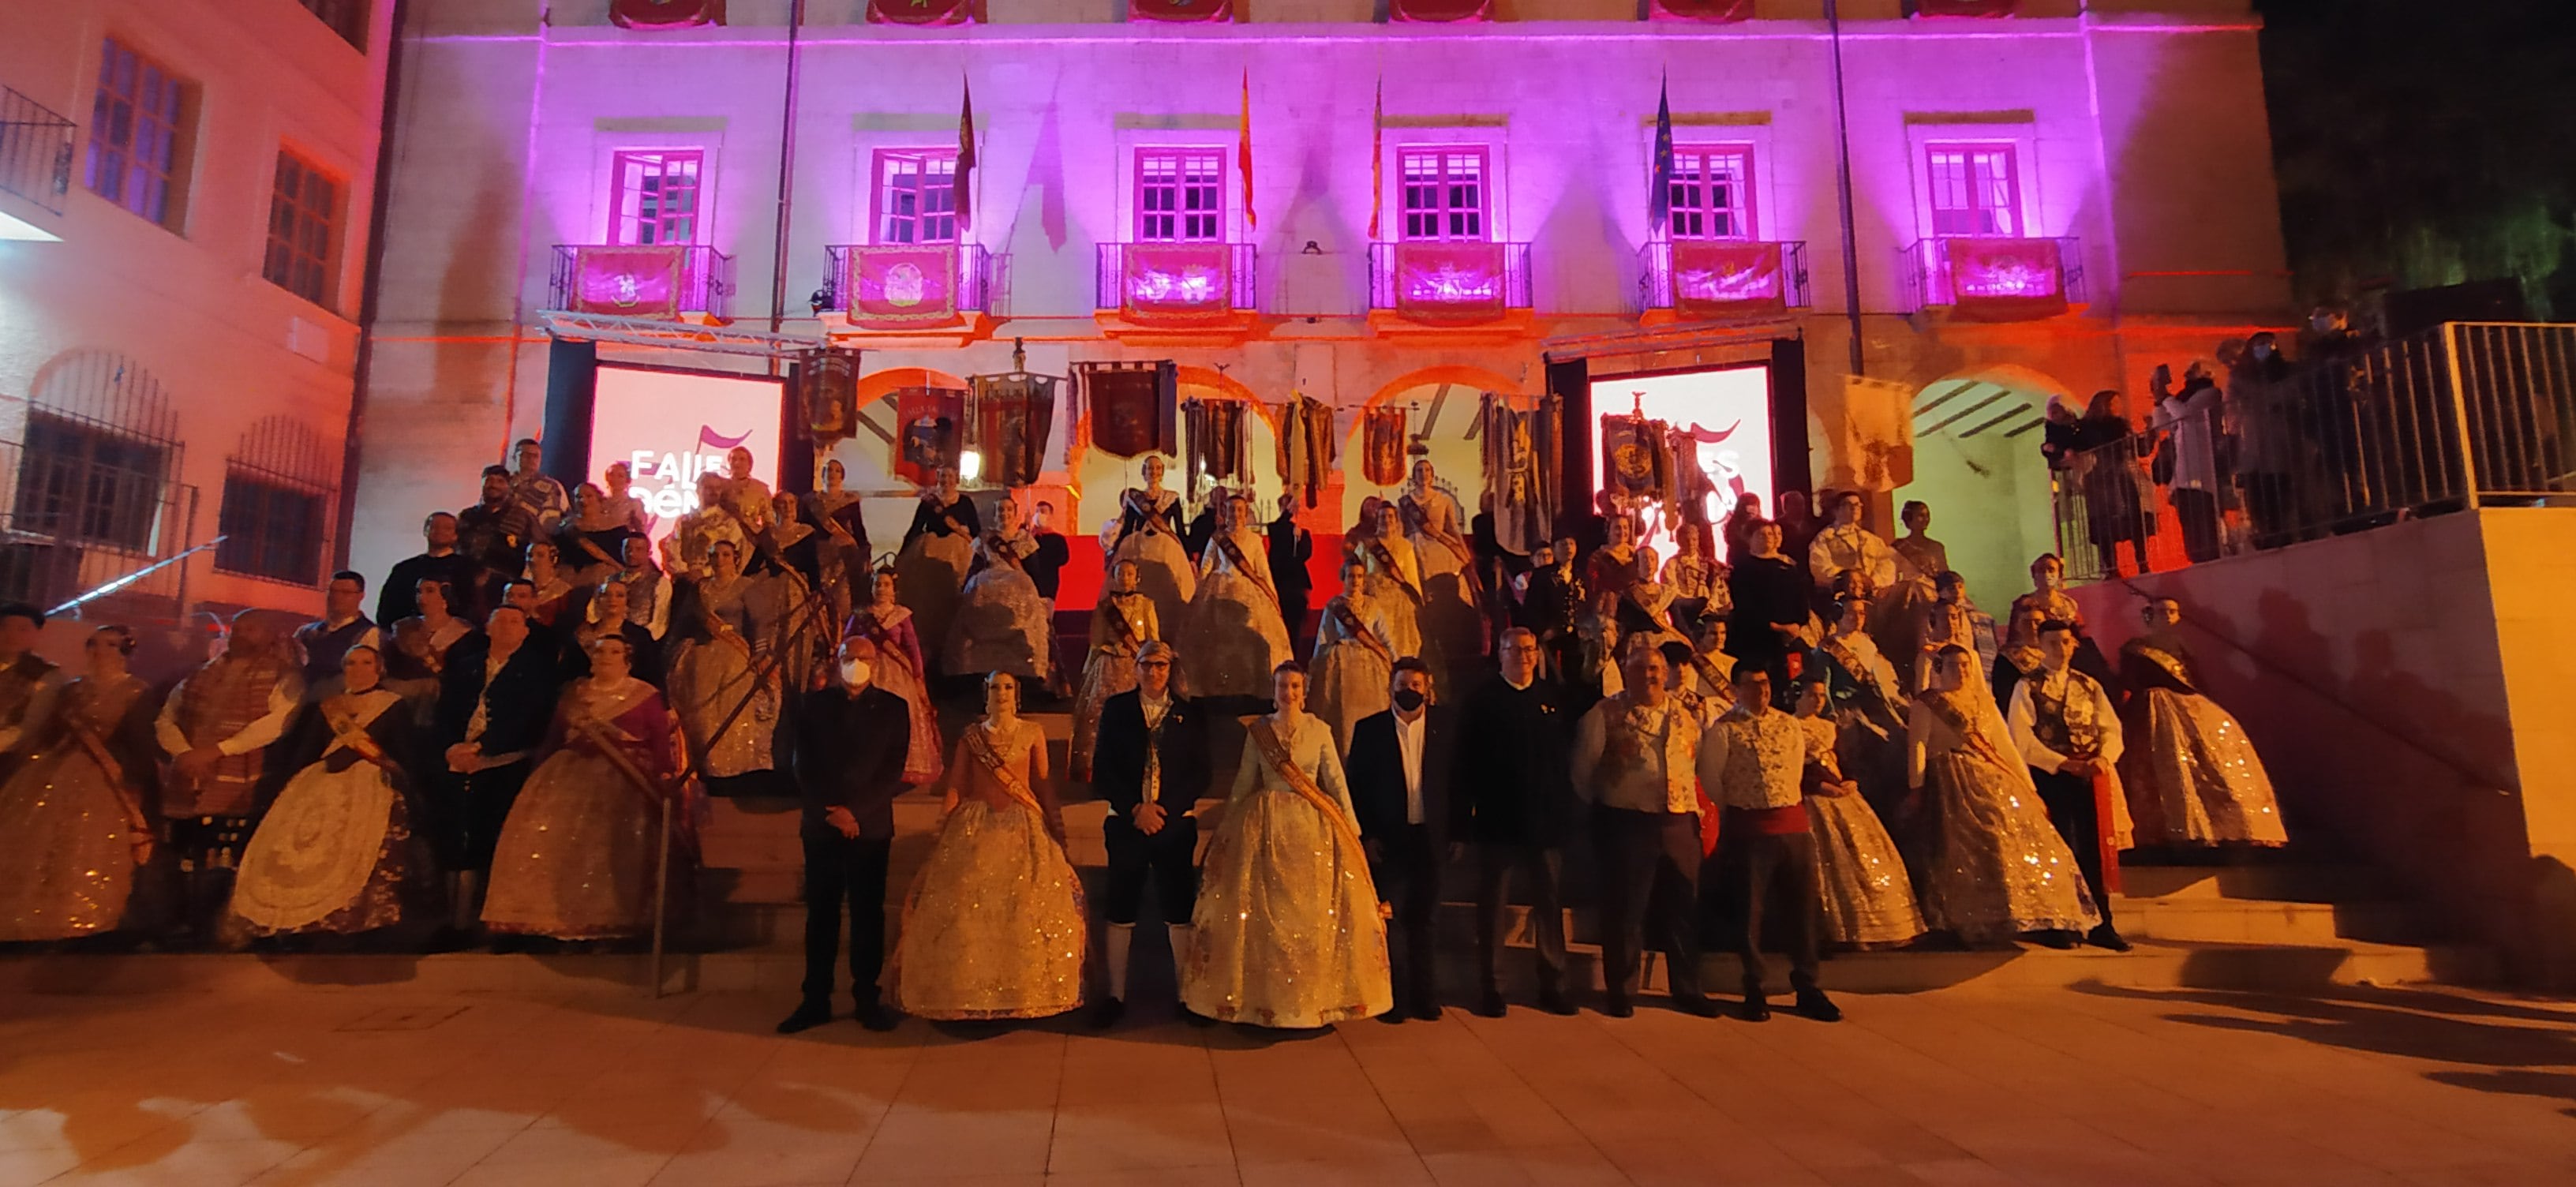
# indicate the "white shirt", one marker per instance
pixel 1154 707
pixel 1408 742
pixel 283 700
pixel 2024 717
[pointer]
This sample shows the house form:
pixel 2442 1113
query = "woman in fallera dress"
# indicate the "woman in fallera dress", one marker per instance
pixel 75 820
pixel 1452 630
pixel 727 624
pixel 1354 669
pixel 2191 772
pixel 1866 705
pixel 593 538
pixel 578 856
pixel 1995 866
pixel 994 925
pixel 1234 635
pixel 336 854
pixel 887 622
pixel 1867 897
pixel 841 513
pixel 1149 533
pixel 1394 577
pixel 1288 931
pixel 420 647
pixel 546 573
pixel 937 550
pixel 1122 623
pixel 1001 623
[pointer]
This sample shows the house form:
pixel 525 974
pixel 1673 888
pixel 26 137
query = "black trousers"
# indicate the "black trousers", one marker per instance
pixel 1768 862
pixel 471 812
pixel 2269 502
pixel 1292 606
pixel 2069 801
pixel 1543 870
pixel 1649 892
pixel 1407 872
pixel 843 871
pixel 2198 511
pixel 1163 859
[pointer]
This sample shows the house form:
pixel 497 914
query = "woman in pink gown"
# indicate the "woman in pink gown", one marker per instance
pixel 888 623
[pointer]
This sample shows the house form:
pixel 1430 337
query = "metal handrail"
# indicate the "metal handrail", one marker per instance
pixel 137 575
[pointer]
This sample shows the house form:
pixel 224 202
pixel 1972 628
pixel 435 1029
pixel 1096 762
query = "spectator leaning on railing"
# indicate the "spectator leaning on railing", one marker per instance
pixel 2189 420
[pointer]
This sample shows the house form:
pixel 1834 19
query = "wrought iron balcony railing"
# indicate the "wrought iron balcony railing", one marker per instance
pixel 1723 277
pixel 1449 280
pixel 1996 279
pixel 1178 279
pixel 35 151
pixel 657 280
pixel 897 283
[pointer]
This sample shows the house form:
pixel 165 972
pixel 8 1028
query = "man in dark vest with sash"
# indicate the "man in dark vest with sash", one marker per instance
pixel 1151 765
pixel 341 628
pixel 28 682
pixel 2063 724
pixel 217 727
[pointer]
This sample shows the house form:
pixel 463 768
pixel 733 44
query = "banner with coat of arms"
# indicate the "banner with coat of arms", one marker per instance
pixel 1169 282
pixel 921 12
pixel 1633 457
pixel 666 14
pixel 1969 8
pixel 1714 12
pixel 1439 11
pixel 628 281
pixel 1727 278
pixel 1454 282
pixel 1184 11
pixel 930 432
pixel 901 287
pixel 1130 408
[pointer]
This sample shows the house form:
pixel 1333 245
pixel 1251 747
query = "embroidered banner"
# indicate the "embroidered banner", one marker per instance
pixel 1632 455
pixel 1170 282
pixel 1706 11
pixel 1014 417
pixel 2005 279
pixel 1180 10
pixel 1131 409
pixel 1724 278
pixel 666 14
pixel 1455 282
pixel 895 288
pixel 1382 446
pixel 1977 8
pixel 1440 10
pixel 828 386
pixel 929 436
pixel 920 12
pixel 628 281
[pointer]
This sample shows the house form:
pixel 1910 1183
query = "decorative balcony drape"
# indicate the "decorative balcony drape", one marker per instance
pixel 920 12
pixel 1713 12
pixel 1714 278
pixel 1440 11
pixel 1175 282
pixel 901 287
pixel 628 281
pixel 1970 8
pixel 666 14
pixel 1455 282
pixel 1185 11
pixel 2005 279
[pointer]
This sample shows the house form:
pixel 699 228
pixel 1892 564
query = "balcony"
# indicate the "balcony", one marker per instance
pixel 1178 294
pixel 669 282
pixel 910 290
pixel 1996 280
pixel 1451 289
pixel 1697 280
pixel 35 161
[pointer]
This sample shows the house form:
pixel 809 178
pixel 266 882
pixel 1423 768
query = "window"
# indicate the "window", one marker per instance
pixel 272 527
pixel 1180 195
pixel 917 196
pixel 1712 193
pixel 656 199
pixel 348 18
pixel 1444 193
pixel 1975 190
pixel 301 211
pixel 83 481
pixel 136 150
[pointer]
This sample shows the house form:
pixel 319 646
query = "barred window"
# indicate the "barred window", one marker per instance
pixel 80 480
pixel 280 489
pixel 302 212
pixel 348 18
pixel 137 136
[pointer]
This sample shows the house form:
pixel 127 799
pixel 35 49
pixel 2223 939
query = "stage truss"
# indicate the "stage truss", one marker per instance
pixel 676 335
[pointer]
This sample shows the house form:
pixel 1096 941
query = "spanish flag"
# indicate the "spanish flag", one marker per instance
pixel 1243 152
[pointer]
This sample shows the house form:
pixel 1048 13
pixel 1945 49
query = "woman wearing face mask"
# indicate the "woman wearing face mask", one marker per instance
pixel 576 859
pixel 888 623
pixel 994 926
pixel 73 831
pixel 336 854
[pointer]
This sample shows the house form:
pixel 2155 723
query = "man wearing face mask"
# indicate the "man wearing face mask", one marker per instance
pixel 1398 773
pixel 1151 765
pixel 846 745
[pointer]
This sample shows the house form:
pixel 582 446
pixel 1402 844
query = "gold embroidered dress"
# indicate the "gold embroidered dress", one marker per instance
pixel 1354 668
pixel 1452 627
pixel 1234 635
pixel 577 857
pixel 336 852
pixel 70 818
pixel 1995 865
pixel 900 670
pixel 718 666
pixel 2191 772
pixel 1394 581
pixel 1121 625
pixel 1867 898
pixel 994 926
pixel 1001 624
pixel 1148 536
pixel 1287 925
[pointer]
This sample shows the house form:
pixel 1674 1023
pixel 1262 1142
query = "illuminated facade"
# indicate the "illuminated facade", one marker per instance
pixel 2047 203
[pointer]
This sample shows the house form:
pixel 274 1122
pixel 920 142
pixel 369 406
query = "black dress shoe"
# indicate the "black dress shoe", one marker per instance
pixel 806 1017
pixel 1696 1007
pixel 1491 1005
pixel 1814 1004
pixel 1553 1002
pixel 1757 1008
pixel 1618 1007
pixel 2060 940
pixel 1106 1012
pixel 1426 1011
pixel 2107 937
pixel 1393 1017
pixel 877 1016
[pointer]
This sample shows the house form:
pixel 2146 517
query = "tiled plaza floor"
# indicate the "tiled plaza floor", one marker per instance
pixel 394 1088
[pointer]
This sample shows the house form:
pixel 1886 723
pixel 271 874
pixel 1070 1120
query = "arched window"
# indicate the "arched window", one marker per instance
pixel 99 456
pixel 280 486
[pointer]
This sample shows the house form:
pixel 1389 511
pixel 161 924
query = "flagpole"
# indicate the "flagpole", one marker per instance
pixel 1843 187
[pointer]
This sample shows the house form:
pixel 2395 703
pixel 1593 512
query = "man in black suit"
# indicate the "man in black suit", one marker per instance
pixel 1515 803
pixel 846 744
pixel 496 697
pixel 1398 774
pixel 1290 547
pixel 1150 764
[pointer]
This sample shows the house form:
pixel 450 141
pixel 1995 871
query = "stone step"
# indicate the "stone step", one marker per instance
pixel 2289 881
pixel 2260 921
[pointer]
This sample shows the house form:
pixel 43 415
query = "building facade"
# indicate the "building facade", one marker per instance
pixel 1431 210
pixel 184 198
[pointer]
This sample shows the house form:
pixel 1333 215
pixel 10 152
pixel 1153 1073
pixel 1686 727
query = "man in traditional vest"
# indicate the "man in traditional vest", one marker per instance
pixel 1752 762
pixel 2065 728
pixel 28 681
pixel 217 728
pixel 1151 764
pixel 1636 757
pixel 341 628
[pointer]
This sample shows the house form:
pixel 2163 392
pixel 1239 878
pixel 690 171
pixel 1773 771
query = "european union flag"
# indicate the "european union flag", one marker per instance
pixel 1659 200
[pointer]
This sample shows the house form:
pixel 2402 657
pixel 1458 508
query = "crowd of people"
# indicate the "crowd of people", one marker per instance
pixel 518 743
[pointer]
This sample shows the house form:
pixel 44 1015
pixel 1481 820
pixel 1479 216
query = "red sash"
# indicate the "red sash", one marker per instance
pixel 1243 567
pixel 1357 632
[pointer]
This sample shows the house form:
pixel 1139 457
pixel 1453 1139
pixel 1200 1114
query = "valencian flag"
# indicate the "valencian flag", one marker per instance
pixel 1659 202
pixel 1243 151
pixel 1377 158
pixel 962 185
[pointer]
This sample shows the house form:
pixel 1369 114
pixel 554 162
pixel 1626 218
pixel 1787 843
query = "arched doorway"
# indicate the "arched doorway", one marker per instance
pixel 1977 466
pixel 868 455
pixel 1440 405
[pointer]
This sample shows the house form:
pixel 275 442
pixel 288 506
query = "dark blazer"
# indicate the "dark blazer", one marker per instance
pixel 1515 785
pixel 1290 548
pixel 1375 771
pixel 1118 757
pixel 521 696
pixel 849 750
